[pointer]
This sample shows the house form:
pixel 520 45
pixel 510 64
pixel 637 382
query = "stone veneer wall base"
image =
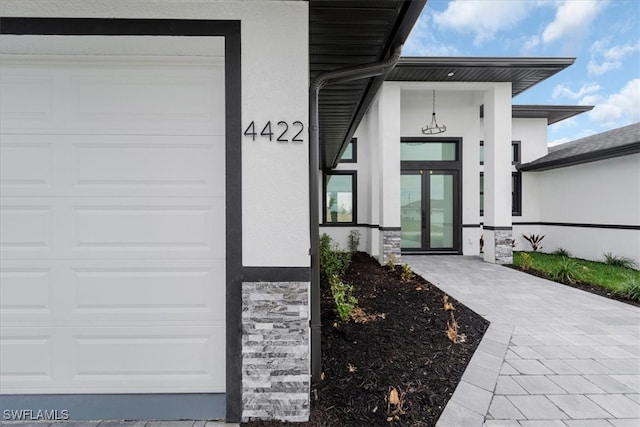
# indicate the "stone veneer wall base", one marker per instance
pixel 504 250
pixel 275 351
pixel 391 245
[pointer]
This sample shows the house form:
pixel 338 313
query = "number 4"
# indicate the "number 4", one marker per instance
pixel 252 134
pixel 267 126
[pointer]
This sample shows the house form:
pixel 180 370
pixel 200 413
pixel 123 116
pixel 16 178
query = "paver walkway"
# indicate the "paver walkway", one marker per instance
pixel 552 356
pixel 119 424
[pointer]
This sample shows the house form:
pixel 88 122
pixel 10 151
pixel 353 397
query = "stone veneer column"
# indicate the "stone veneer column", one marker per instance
pixel 503 248
pixel 275 351
pixel 390 245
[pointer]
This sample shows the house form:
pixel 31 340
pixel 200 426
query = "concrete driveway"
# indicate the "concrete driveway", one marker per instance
pixel 553 355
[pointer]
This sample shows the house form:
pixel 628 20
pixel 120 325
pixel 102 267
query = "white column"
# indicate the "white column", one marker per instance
pixel 389 202
pixel 497 174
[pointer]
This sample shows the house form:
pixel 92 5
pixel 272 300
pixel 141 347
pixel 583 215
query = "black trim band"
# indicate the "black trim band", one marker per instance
pixel 276 274
pixel 572 224
pixel 390 228
pixel 471 225
pixel 497 228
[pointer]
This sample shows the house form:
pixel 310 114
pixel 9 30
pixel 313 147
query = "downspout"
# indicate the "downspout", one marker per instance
pixel 356 72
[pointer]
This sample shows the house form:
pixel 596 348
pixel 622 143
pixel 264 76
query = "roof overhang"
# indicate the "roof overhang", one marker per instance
pixel 608 153
pixel 523 73
pixel 553 113
pixel 349 33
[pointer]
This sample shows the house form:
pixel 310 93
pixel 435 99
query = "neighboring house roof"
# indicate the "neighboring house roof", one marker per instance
pixel 553 113
pixel 347 33
pixel 521 72
pixel 614 143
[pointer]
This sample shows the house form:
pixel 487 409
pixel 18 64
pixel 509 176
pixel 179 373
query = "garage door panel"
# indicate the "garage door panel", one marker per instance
pixel 112 165
pixel 129 359
pixel 26 227
pixel 122 292
pixel 119 93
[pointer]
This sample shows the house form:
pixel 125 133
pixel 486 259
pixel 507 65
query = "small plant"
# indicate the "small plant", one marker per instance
pixel 526 262
pixel 618 261
pixel 448 306
pixel 406 274
pixel 631 288
pixel 452 331
pixel 566 271
pixel 354 241
pixel 343 297
pixel 482 243
pixel 534 240
pixel 562 252
pixel 391 262
pixel 333 261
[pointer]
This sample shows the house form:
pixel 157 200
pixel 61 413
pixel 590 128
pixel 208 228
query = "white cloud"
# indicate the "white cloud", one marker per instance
pixel 562 91
pixel 605 58
pixel 619 108
pixel 422 41
pixel 483 18
pixel 572 18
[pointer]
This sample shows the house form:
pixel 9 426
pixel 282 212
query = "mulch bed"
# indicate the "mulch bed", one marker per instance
pixel 395 339
pixel 598 290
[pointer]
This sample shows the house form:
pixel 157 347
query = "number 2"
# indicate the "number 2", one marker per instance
pixel 286 128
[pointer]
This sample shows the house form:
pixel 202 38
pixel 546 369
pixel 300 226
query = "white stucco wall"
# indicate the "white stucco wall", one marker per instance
pixel 275 74
pixel 602 192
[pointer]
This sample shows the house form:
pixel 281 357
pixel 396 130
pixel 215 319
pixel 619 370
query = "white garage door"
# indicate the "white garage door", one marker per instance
pixel 112 224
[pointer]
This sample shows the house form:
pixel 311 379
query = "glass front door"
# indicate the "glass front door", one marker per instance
pixel 429 204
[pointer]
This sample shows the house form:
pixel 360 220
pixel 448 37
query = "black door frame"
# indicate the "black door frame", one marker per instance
pixel 426 168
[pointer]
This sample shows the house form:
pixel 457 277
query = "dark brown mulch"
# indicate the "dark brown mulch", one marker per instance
pixel 396 340
pixel 598 290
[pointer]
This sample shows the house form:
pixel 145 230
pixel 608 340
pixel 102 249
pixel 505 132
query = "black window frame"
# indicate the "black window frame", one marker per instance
pixel 354 152
pixel 354 197
pixel 516 193
pixel 516 152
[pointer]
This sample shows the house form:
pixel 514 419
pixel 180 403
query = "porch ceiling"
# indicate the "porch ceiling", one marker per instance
pixel 553 113
pixel 345 33
pixel 521 72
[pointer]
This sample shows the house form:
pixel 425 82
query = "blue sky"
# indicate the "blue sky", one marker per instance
pixel 603 36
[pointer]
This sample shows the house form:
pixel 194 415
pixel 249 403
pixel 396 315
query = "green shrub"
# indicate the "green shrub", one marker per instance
pixel 406 274
pixel 631 288
pixel 565 271
pixel 333 261
pixel 526 262
pixel 391 262
pixel 618 261
pixel 534 240
pixel 343 296
pixel 562 252
pixel 354 241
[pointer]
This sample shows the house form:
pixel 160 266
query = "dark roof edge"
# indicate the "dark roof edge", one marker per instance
pixel 623 150
pixel 520 111
pixel 481 61
pixel 409 16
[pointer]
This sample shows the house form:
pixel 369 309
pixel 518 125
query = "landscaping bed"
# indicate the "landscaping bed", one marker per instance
pixel 395 339
pixel 598 278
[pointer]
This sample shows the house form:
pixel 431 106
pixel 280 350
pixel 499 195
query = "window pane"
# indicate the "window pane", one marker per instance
pixel 348 153
pixel 481 153
pixel 339 198
pixel 428 151
pixel 411 211
pixel 441 215
pixel 515 153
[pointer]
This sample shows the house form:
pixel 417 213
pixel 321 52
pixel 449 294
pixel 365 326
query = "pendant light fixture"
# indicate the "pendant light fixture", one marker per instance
pixel 433 128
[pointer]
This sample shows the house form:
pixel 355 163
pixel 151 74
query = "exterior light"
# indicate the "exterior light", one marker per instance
pixel 433 128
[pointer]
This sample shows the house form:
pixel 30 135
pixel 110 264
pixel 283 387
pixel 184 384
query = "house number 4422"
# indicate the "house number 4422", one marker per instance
pixel 281 131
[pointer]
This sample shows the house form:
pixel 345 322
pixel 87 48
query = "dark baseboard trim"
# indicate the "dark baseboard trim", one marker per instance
pixel 497 228
pixel 82 407
pixel 389 228
pixel 276 274
pixel 471 225
pixel 582 225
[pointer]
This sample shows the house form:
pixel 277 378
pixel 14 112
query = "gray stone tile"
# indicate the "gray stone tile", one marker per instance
pixel 588 366
pixel 624 423
pixel 525 352
pixel 609 384
pixel 554 339
pixel 635 397
pixel 545 423
pixel 121 424
pixel 622 366
pixel 492 347
pixel 615 352
pixel 579 407
pixel 583 351
pixel 527 340
pixel 486 361
pixel 587 423
pixel 506 385
pixel 480 377
pixel 553 352
pixel 501 423
pixel 562 367
pixel 576 384
pixel 472 397
pixel 508 370
pixel 530 367
pixel 502 409
pixel 538 384
pixel 537 408
pixel 631 381
pixel 617 405
pixel 455 415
